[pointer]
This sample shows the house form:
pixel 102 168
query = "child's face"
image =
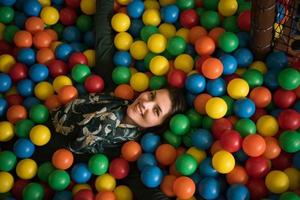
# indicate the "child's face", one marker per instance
pixel 150 109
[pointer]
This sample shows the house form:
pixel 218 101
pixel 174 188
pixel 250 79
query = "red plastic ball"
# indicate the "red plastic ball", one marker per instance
pixel 57 67
pixel 119 168
pixel 244 20
pixel 230 77
pixel 14 99
pixel 48 191
pixel 257 189
pixel 18 187
pixel 73 3
pixel 84 194
pixel 289 119
pixel 219 126
pixel 231 141
pixel 283 161
pixel 199 62
pixel 258 113
pixel 18 72
pixel 257 167
pixel 189 18
pixel 77 58
pixel 67 16
pixel 16 113
pixel 284 98
pixel 94 84
pixel 176 78
pixel 5 47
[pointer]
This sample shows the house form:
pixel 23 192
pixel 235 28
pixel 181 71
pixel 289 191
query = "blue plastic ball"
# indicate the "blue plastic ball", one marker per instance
pixel 135 9
pixel 151 176
pixel 169 13
pixel 297 106
pixel 209 188
pixel 122 58
pixel 140 66
pixel 243 56
pixel 78 47
pixel 195 83
pixel 23 148
pixel 30 101
pixel 240 156
pixel 32 8
pixel 277 60
pixel 275 112
pixel 190 50
pixel 296 160
pixel 190 99
pixel 20 19
pixel 80 173
pixel 146 159
pixel 63 51
pixel 3 107
pixel 270 79
pixel 80 88
pixel 25 87
pixel 71 34
pixel 216 87
pixel 89 39
pixel 63 195
pixel 196 177
pixel 280 9
pixel 202 139
pixel 244 108
pixel 149 142
pixel 38 72
pixel 7 2
pixel 5 82
pixel 238 192
pixel 135 28
pixel 26 56
pixel 229 64
pixel 206 169
pixel 244 39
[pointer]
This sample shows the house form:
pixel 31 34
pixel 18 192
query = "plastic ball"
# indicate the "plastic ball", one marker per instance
pixel 261 96
pixel 166 185
pixel 135 9
pixel 176 78
pixel 257 167
pixel 123 192
pixel 209 19
pixel 254 145
pixel 238 192
pixel 204 45
pixel 32 8
pixel 189 18
pixel 38 72
pixel 176 45
pixel 227 7
pixel 165 154
pixel 212 68
pixel 84 193
pixel 209 188
pixel 80 72
pixel 146 159
pixel 244 108
pixel 7 182
pixel 120 22
pixel 169 13
pixel 44 55
pixel 59 180
pixel 39 113
pixel 202 139
pixel 139 81
pixel 223 161
pixel 8 159
pixel 94 84
pixel 80 173
pixel 26 168
pixel 49 15
pixel 179 124
pixel 98 164
pixel 16 113
pixel 23 39
pixel 150 142
pixel 277 181
pixel 62 159
pixel 276 60
pixel 284 98
pixel 67 93
pixel 131 151
pixel 5 82
pixel 40 135
pixel 267 125
pixel 122 58
pixel 184 187
pixel 195 83
pixel 294 177
pixel 119 168
pixel 63 51
pixel 237 176
pixel 138 50
pixel 157 43
pixel 237 88
pixel 289 79
pixel 33 191
pixel 231 141
pixel 65 194
pixel 243 56
pixel 244 20
pixel 44 171
pixel 186 164
pixel 23 148
pixel 151 176
pixel 290 141
pixel 67 16
pixel 253 77
pixel 216 108
pixel 229 64
pixel 159 65
pixel 123 41
pixel 289 119
pixel 124 91
pixel 151 17
pixel 216 87
pixel 105 182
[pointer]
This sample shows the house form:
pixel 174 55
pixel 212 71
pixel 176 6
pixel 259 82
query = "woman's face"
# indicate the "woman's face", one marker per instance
pixel 150 109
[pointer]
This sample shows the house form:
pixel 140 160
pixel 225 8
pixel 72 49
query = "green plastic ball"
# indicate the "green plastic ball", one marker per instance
pixel 23 127
pixel 121 75
pixel 207 122
pixel 148 58
pixel 84 23
pixel 228 42
pixel 176 45
pixel 7 14
pixel 185 4
pixel 80 72
pixel 230 24
pixel 98 164
pixel 289 196
pixel 9 33
pixel 194 117
pixel 290 141
pixel 59 28
pixel 200 11
pixel 187 141
pixel 210 19
pixel 39 113
pixel 210 4
pixel 172 139
pixel 59 180
pixel 180 124
pixel 147 31
pixel 45 170
pixel 246 5
pixel 167 55
pixel 229 101
pixel 245 127
pixel 186 164
pixel 33 191
pixel 157 82
pixel 289 79
pixel 8 161
pixel 253 77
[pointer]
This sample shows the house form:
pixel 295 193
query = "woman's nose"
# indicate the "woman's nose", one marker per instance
pixel 147 104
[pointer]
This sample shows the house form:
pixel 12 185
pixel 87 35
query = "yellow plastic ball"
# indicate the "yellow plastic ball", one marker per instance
pixel 139 50
pixel 238 88
pixel 184 62
pixel 167 30
pixel 123 41
pixel 91 57
pixel 6 131
pixel 139 82
pixel 6 182
pixel 61 81
pixel 227 7
pixel 159 65
pixel 278 30
pixel 54 44
pixel 43 90
pixel 45 3
pixel 49 15
pixel 6 62
pixel 216 107
pixel 184 33
pixel 150 4
pixel 2 28
pixel 133 70
pixel 192 72
pixel 294 177
pixel 166 2
pixel 223 162
pixel 260 66
pixel 267 125
pixel 120 22
pixel 40 135
pixel 79 187
pixel 198 154
pixel 11 91
pixel 157 43
pixel 151 17
pixel 277 181
pixel 26 169
pixel 240 71
pixel 123 192
pixel 105 182
pixel 124 2
pixel 88 7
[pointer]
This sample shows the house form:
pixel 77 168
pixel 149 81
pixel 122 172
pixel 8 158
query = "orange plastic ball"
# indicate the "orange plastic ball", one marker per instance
pixel 215 147
pixel 166 185
pixel 200 102
pixel 165 154
pixel 184 187
pixel 212 68
pixel 52 34
pixel 261 96
pixel 44 55
pixel 205 45
pixel 41 39
pixel 195 33
pixel 124 91
pixel 62 159
pixel 173 171
pixel 106 195
pixel 23 39
pixel 67 93
pixel 254 145
pixel 272 148
pixel 16 113
pixel 215 33
pixel 34 24
pixel 52 102
pixel 131 151
pixel 237 176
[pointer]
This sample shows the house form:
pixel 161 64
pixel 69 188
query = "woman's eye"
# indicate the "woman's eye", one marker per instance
pixel 151 95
